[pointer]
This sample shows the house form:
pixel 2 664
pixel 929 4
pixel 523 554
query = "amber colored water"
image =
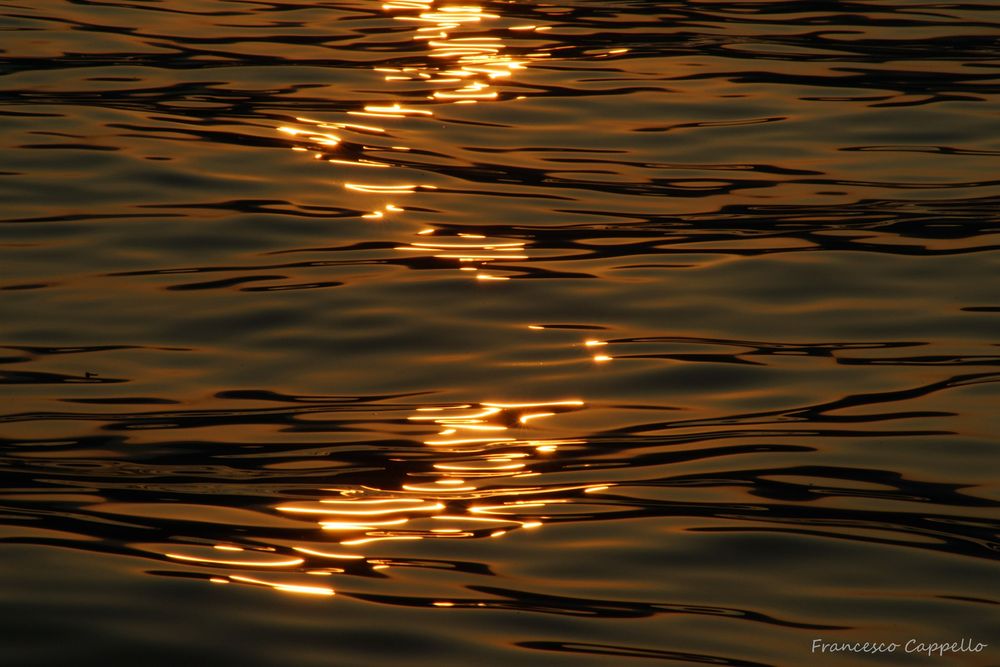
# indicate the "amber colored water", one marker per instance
pixel 443 333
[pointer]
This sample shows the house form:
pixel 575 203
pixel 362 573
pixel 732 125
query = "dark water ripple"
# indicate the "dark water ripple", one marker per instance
pixel 508 333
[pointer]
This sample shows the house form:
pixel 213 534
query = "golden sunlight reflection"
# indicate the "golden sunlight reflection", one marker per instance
pixel 463 66
pixel 481 473
pixel 476 446
pixel 284 588
pixel 326 554
pixel 473 484
pixel 281 562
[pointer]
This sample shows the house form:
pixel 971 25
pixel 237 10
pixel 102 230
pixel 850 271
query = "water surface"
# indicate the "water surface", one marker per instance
pixel 438 332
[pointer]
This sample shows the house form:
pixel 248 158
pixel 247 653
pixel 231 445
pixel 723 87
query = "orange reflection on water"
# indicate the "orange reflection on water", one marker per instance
pixel 351 508
pixel 323 139
pixel 466 64
pixel 326 554
pixel 390 111
pixel 405 188
pixel 471 488
pixel 462 68
pixel 472 251
pixel 474 444
pixel 284 588
pixel 253 559
pixel 573 403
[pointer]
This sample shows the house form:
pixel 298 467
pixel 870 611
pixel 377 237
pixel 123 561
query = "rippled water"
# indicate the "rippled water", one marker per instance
pixel 579 333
